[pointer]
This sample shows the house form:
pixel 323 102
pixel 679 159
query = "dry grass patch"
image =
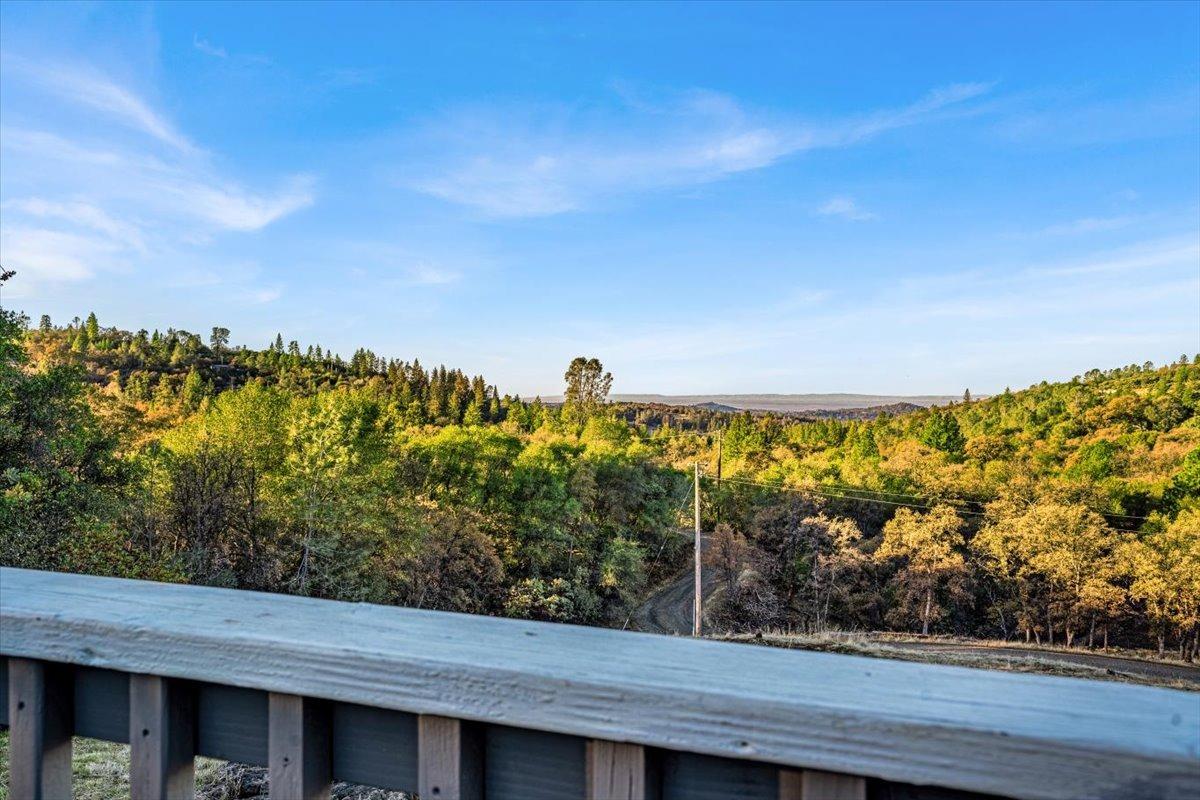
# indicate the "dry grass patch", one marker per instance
pixel 100 770
pixel 903 647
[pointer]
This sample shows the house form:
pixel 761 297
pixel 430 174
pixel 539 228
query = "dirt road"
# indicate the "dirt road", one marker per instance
pixel 669 610
pixel 1119 664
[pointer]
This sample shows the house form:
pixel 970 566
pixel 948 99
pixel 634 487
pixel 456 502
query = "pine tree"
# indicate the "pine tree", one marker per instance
pixel 194 391
pixel 219 339
pixel 941 432
pixel 473 416
pixel 93 327
pixel 588 386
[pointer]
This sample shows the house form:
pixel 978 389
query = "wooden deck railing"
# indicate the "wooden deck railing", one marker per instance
pixel 456 706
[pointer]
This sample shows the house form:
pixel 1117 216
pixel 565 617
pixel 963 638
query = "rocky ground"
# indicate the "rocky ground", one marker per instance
pixel 101 772
pixel 241 782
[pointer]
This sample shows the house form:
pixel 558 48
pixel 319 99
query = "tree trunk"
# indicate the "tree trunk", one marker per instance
pixel 1092 633
pixel 925 616
pixel 1106 638
pixel 1162 645
pixel 1049 629
pixel 1070 632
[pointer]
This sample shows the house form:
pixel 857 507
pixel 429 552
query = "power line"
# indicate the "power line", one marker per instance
pixel 1124 518
pixel 661 547
pixel 803 490
pixel 846 487
pixel 943 499
pixel 925 507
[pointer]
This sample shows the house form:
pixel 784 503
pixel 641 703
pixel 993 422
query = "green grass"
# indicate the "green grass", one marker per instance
pixel 100 770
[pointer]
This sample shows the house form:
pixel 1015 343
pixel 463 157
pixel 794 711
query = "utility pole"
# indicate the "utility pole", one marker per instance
pixel 720 453
pixel 697 608
pixel 720 447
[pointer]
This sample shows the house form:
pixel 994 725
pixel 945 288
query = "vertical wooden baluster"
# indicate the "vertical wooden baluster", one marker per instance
pixel 619 771
pixel 298 745
pixel 812 784
pixel 161 739
pixel 790 784
pixel 449 759
pixel 41 720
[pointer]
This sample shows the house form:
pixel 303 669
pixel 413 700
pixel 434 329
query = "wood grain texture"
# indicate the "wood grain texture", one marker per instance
pixel 791 784
pixel 816 785
pixel 161 739
pixel 40 719
pixel 616 771
pixel 299 759
pixel 449 759
pixel 1003 733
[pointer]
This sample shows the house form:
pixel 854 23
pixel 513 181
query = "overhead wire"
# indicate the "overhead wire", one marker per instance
pixel 661 547
pixel 927 499
pixel 929 504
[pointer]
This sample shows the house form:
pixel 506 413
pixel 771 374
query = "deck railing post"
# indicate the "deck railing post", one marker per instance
pixel 619 771
pixel 41 719
pixel 299 762
pixel 811 784
pixel 449 759
pixel 161 739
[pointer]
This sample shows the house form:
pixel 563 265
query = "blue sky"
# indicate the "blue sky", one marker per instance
pixel 710 198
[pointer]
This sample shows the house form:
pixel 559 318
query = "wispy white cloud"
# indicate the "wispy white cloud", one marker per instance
pixel 846 208
pixel 208 48
pixel 232 207
pixel 1088 225
pixel 262 296
pixel 1070 119
pixel 1002 318
pixel 426 274
pixel 89 88
pixel 1140 257
pixel 82 214
pixel 520 163
pixel 47 255
pixel 180 189
pixel 81 200
pixel 412 264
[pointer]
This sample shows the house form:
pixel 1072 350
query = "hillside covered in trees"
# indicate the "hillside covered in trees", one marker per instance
pixel 1066 512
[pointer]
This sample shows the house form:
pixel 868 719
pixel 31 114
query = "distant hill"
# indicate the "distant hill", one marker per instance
pixel 711 406
pixel 790 402
pixel 870 412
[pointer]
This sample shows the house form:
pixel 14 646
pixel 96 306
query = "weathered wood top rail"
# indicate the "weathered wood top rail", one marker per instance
pixel 1006 734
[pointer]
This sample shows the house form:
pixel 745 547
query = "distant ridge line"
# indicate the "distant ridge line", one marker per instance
pixel 835 401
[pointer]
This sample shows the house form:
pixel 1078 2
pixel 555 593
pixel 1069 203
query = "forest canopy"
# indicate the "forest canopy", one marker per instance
pixel 1064 512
